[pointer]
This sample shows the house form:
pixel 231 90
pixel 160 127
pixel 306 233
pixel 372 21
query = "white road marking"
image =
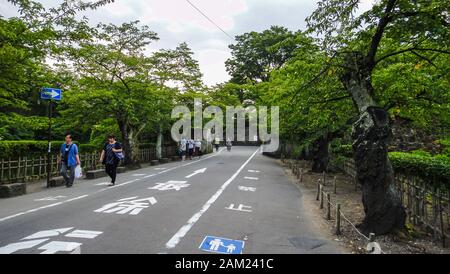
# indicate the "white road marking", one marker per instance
pixel 170 185
pixel 11 248
pixel 56 246
pixel 253 171
pixel 160 168
pixel 185 229
pixel 50 198
pixel 251 178
pixel 138 175
pixel 247 188
pixel 47 233
pixel 102 184
pixel 241 207
pixel 196 172
pixel 85 234
pixel 77 198
pixel 127 205
pixel 151 175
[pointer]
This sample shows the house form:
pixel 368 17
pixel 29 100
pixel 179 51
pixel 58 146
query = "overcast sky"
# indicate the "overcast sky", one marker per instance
pixel 176 21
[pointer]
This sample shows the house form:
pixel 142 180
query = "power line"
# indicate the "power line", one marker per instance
pixel 210 20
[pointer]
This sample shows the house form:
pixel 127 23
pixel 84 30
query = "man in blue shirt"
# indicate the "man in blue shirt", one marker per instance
pixel 69 160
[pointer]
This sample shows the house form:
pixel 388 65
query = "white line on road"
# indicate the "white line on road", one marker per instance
pixel 251 178
pixel 185 229
pixel 253 171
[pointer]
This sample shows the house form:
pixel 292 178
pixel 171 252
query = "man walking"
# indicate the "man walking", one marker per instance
pixel 110 158
pixel 69 159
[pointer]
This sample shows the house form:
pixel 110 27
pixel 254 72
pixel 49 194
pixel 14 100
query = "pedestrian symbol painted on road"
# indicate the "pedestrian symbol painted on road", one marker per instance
pixel 132 206
pixel 222 245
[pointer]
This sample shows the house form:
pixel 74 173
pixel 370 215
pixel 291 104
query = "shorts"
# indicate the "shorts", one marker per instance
pixel 191 151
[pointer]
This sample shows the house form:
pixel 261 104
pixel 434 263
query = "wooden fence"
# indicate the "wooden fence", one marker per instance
pixel 35 167
pixel 426 205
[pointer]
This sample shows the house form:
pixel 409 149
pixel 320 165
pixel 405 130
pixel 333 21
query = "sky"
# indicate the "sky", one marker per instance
pixel 176 21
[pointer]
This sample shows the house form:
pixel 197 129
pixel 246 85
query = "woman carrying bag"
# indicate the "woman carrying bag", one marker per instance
pixel 111 156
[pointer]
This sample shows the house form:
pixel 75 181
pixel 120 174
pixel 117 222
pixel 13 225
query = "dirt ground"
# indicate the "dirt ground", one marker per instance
pixel 415 242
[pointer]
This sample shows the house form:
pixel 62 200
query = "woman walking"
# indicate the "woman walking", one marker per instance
pixel 110 158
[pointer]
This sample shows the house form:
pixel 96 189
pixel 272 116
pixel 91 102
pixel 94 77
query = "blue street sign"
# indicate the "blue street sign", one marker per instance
pixel 222 245
pixel 51 93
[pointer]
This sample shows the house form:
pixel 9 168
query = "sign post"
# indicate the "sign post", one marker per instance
pixel 50 94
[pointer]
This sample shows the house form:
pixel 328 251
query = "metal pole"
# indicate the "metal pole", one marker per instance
pixel 49 164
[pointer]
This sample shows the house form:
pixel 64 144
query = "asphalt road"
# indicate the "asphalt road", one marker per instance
pixel 240 197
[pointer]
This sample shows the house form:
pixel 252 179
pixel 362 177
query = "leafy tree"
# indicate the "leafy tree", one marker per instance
pixel 358 45
pixel 256 54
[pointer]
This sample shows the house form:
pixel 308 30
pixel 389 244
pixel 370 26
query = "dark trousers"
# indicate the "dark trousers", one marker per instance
pixel 68 178
pixel 111 170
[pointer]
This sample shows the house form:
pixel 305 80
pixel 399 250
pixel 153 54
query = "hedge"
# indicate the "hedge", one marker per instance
pixel 432 169
pixel 14 149
pixel 343 150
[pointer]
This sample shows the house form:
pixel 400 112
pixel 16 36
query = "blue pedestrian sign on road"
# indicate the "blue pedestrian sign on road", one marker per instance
pixel 51 93
pixel 222 245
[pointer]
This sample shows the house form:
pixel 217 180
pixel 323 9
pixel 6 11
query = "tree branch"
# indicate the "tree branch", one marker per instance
pixel 376 39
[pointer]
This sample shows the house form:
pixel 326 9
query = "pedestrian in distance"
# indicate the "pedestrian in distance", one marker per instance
pixel 191 145
pixel 217 143
pixel 111 155
pixel 183 147
pixel 69 159
pixel 198 148
pixel 229 144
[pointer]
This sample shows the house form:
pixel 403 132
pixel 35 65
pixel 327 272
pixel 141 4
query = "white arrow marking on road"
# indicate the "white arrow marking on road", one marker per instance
pixel 55 246
pixel 47 233
pixel 196 172
pixel 11 248
pixel 247 188
pixel 251 178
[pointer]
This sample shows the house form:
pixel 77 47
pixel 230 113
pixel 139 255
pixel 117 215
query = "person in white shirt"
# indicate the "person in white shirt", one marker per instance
pixel 198 148
pixel 191 148
pixel 183 145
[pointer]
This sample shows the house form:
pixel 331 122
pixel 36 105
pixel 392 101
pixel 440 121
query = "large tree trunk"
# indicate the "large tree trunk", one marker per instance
pixel 124 131
pixel 159 140
pixel 371 134
pixel 320 154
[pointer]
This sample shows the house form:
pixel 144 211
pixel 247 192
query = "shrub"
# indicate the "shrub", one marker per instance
pixel 435 170
pixel 343 150
pixel 14 149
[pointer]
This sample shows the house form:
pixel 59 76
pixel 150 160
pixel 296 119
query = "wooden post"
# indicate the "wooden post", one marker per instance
pixel 301 175
pixel 323 178
pixel 318 190
pixel 328 206
pixel 334 185
pixel 441 219
pixel 338 219
pixel 321 196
